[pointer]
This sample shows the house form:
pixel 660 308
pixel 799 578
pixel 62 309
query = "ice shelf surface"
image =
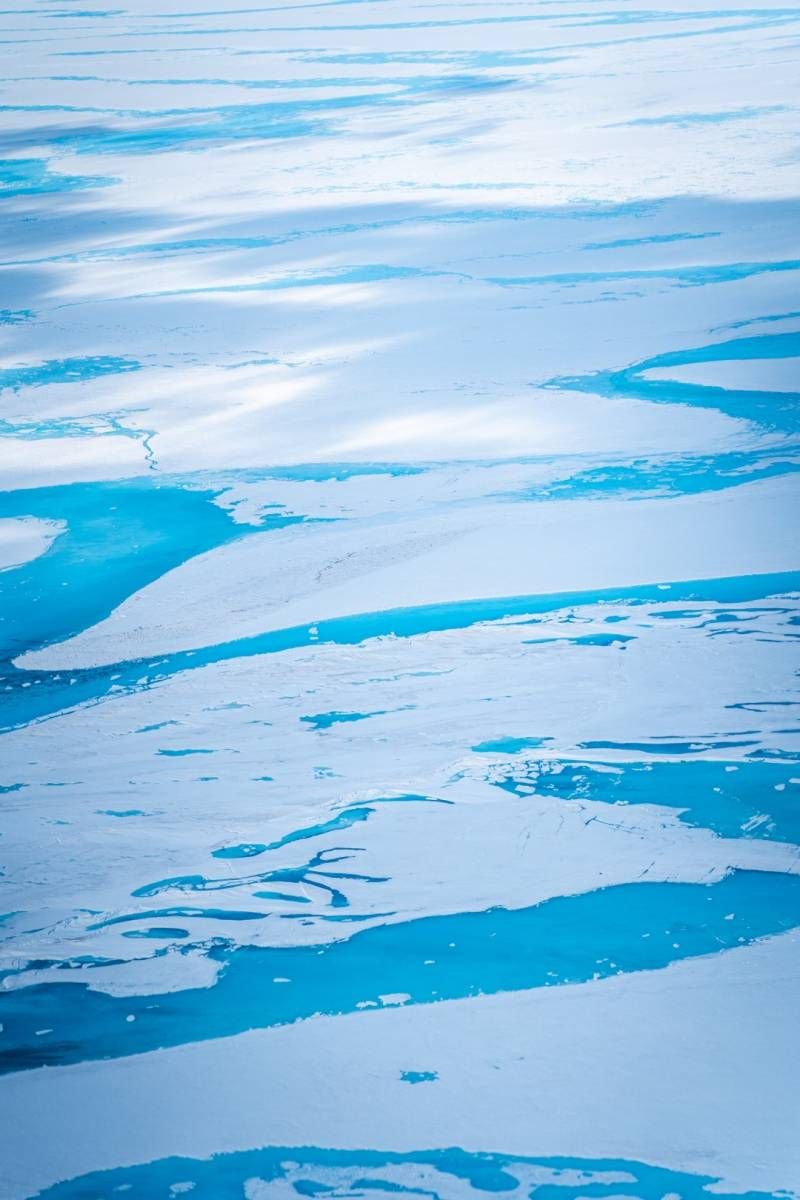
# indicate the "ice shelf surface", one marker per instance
pixel 399 599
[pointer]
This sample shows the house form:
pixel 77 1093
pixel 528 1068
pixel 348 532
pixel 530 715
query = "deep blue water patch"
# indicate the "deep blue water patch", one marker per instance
pixel 31 695
pixel 18 316
pixel 668 475
pixel 287 897
pixel 570 939
pixel 343 820
pixel 33 177
pixel 184 753
pixel 179 910
pixel 511 745
pixel 670 746
pixel 775 411
pixel 316 873
pixel 63 370
pixel 734 799
pixel 158 933
pixel 325 720
pixel 119 537
pixel 375 1173
pixel 242 850
pixel 585 639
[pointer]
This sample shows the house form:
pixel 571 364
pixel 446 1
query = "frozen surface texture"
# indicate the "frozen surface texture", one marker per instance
pixel 399 600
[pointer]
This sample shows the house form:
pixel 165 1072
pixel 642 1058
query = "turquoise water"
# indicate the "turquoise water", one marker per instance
pixel 427 648
pixel 632 927
pixel 751 798
pixel 344 820
pixel 57 691
pixel 118 538
pixel 771 410
pixel 318 1172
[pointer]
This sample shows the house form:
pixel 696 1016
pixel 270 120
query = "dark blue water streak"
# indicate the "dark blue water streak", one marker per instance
pixel 734 799
pixel 118 538
pixel 314 1171
pixel 32 695
pixel 570 939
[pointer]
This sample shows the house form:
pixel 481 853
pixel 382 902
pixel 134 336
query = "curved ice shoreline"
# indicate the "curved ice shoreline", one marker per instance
pixel 399 416
pixel 314 574
pixel 24 539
